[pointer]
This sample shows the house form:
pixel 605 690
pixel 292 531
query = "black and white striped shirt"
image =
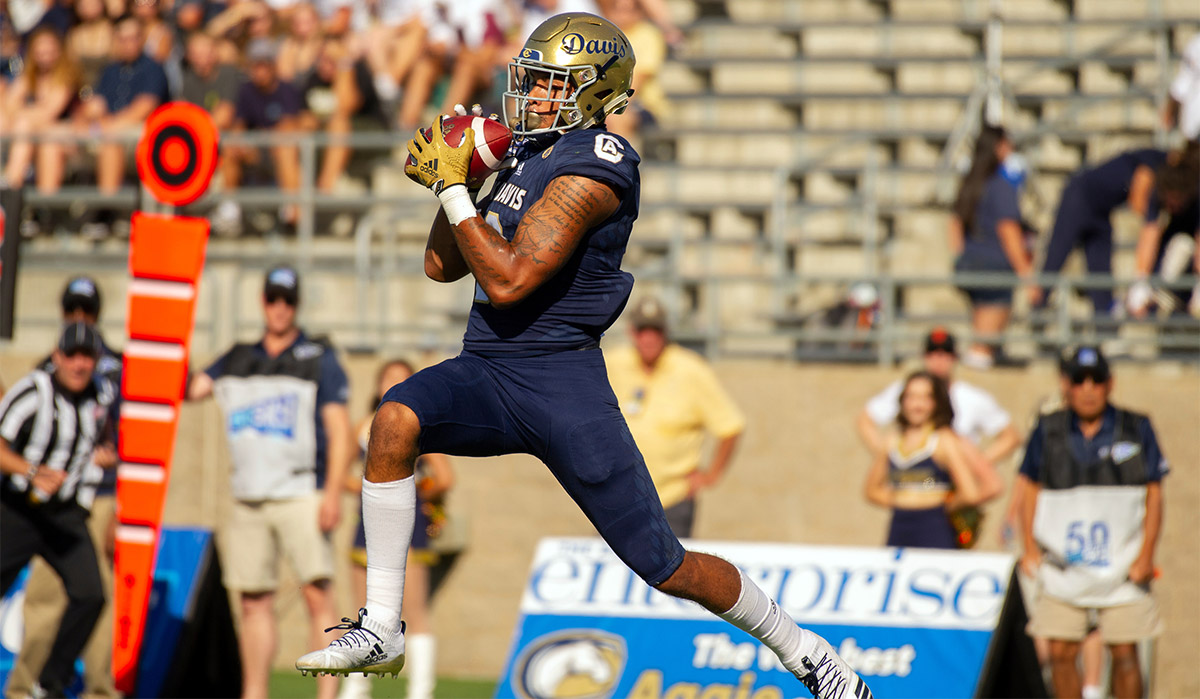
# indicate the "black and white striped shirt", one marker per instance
pixel 49 426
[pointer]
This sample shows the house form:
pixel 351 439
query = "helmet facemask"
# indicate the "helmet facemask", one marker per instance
pixel 562 87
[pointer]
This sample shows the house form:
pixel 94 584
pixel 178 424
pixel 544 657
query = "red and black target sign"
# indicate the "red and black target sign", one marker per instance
pixel 177 155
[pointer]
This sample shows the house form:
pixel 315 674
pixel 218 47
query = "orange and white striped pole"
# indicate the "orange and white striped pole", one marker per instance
pixel 176 158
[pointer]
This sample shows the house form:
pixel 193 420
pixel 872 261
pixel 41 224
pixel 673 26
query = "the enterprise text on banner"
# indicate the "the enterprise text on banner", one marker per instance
pixel 913 622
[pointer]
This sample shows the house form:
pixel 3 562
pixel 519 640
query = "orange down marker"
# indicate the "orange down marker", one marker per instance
pixel 176 158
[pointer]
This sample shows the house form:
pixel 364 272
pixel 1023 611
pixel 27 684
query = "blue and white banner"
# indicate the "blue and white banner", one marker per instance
pixel 912 622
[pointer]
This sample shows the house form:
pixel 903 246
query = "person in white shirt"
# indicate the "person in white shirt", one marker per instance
pixel 977 416
pixel 1183 103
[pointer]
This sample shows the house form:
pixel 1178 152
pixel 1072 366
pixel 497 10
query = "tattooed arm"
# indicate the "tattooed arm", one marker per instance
pixel 546 238
pixel 443 261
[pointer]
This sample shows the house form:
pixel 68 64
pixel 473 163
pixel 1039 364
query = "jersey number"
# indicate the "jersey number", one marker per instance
pixel 1087 544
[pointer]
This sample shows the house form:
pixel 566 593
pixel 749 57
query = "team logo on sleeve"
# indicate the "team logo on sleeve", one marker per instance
pixel 579 664
pixel 609 148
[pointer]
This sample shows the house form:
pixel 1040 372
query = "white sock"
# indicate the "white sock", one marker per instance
pixel 421 652
pixel 389 510
pixel 1092 691
pixel 759 616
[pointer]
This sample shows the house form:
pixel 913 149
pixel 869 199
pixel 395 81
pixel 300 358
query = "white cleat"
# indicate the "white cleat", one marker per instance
pixel 367 647
pixel 829 677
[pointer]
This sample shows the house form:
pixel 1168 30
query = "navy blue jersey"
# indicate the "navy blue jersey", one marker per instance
pixel 574 307
pixel 1107 184
pixel 998 203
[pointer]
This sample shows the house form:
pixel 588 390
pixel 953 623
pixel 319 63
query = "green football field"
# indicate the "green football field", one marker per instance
pixel 291 685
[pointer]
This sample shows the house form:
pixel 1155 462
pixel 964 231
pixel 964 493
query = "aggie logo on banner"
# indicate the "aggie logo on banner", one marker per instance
pixel 573 663
pixel 914 623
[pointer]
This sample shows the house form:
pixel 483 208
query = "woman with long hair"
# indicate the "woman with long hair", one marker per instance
pixel 986 236
pixel 923 473
pixel 435 478
pixel 42 95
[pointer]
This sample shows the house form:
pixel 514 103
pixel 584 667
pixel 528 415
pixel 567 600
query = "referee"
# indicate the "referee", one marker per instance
pixel 49 423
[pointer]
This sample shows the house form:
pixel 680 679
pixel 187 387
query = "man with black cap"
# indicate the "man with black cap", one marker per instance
pixel 977 415
pixel 671 398
pixel 44 598
pixel 284 400
pixel 50 427
pixel 265 102
pixel 1092 483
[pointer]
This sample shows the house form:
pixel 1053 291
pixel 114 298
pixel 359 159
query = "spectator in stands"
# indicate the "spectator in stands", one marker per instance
pixel 298 50
pixel 291 443
pixel 190 16
pixel 267 103
pixel 239 25
pixel 393 44
pixel 978 418
pixel 214 87
pixel 649 104
pixel 922 473
pixel 45 598
pixel 987 237
pixel 435 478
pixel 339 97
pixel 207 83
pixel 1092 478
pixel 42 95
pixel 1171 249
pixel 30 15
pixel 671 398
pixel 129 89
pixel 159 36
pixel 1183 101
pixel 1085 208
pixel 337 16
pixel 50 427
pixel 10 55
pixel 534 12
pixel 90 40
pixel 464 39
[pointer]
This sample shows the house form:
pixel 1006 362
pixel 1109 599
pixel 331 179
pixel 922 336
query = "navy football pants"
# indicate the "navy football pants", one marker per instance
pixel 561 409
pixel 1078 224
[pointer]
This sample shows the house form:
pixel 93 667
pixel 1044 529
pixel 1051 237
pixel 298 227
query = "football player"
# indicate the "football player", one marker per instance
pixel 545 250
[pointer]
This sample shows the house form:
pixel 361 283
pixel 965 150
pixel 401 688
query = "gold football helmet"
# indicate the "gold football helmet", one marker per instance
pixel 586 64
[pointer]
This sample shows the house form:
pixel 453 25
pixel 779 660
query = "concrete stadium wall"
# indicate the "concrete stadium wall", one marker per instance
pixel 796 478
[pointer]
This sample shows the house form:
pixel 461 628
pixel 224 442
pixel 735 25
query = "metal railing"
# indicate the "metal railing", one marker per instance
pixel 368 271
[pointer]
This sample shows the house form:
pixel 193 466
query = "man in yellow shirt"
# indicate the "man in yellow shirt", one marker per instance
pixel 671 398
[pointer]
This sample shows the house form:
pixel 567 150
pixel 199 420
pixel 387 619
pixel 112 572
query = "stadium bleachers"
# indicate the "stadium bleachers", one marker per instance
pixel 805 139
pixel 850 106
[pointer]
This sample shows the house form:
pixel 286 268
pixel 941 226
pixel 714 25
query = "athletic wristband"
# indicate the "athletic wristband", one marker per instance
pixel 457 204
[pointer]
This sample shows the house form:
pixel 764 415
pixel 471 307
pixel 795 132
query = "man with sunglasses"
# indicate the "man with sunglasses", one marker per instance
pixel 284 399
pixel 1092 479
pixel 51 426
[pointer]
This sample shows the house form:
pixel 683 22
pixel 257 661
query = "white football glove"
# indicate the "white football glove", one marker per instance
pixel 1137 299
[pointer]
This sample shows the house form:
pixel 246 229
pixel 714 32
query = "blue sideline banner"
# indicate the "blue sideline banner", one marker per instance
pixel 912 622
pixel 183 554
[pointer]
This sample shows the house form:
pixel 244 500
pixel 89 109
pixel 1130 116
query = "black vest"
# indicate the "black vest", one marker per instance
pixel 246 360
pixel 1061 470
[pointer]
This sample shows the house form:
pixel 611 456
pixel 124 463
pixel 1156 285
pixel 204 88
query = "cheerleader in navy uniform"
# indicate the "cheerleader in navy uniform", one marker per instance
pixel 923 473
